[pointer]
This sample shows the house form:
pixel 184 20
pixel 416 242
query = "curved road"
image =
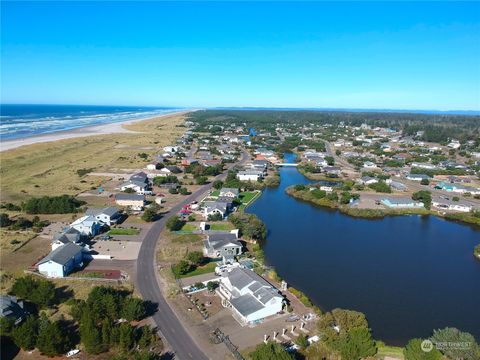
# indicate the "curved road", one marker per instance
pixel 166 320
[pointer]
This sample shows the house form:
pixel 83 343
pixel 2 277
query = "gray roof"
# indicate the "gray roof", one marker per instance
pixel 138 183
pixel 126 196
pixel 9 306
pixel 240 278
pixel 226 190
pixel 62 254
pixel 246 304
pixel 140 176
pixel 69 235
pixel 110 211
pixel 217 241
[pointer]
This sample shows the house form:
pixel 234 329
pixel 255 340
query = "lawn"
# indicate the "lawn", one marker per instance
pixel 215 193
pixel 204 269
pixel 386 350
pixel 247 196
pixel 120 231
pixel 189 227
pixel 222 226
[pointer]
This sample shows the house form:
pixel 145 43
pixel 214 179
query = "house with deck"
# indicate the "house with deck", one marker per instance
pixel 131 201
pixel 250 296
pixel 87 225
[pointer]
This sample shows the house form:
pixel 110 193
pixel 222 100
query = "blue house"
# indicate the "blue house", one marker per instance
pixel 61 261
pixel 401 203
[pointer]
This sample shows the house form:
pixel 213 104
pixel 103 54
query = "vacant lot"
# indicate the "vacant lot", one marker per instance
pixel 59 167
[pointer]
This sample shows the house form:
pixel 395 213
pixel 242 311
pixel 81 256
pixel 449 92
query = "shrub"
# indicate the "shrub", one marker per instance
pixel 174 223
pixel 63 204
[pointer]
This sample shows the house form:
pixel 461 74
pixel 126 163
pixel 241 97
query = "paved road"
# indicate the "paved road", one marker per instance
pixel 146 279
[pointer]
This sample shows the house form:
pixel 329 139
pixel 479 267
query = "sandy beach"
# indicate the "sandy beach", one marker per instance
pixel 103 129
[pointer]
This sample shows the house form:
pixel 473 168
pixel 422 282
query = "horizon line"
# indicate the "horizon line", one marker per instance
pixel 286 108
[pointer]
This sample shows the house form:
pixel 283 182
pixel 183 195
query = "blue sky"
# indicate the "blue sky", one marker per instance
pixel 403 55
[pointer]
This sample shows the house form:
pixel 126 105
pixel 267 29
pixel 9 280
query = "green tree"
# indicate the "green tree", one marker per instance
pixel 51 339
pixel 126 336
pixel 149 215
pixel 302 341
pixel 39 291
pixel 217 184
pixel 4 220
pixel 133 309
pixel 146 336
pixel 174 223
pixel 107 331
pixel 270 351
pixel 25 335
pixel 6 325
pixel 195 257
pixel 330 160
pixel 201 180
pixel 90 335
pixel 425 182
pixel 423 196
pixel 182 267
pixel 468 348
pixel 413 351
pixel 356 344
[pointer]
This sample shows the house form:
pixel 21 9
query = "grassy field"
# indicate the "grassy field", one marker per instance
pixel 226 226
pixel 205 269
pixel 189 227
pixel 51 168
pixel 119 231
pixel 13 239
pixel 386 350
pixel 247 196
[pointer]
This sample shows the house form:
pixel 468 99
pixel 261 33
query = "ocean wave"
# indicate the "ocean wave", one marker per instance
pixel 26 125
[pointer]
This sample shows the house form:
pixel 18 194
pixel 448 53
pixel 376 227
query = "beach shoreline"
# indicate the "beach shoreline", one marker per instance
pixel 101 129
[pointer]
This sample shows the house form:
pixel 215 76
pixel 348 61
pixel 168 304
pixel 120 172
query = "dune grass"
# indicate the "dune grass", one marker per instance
pixel 56 167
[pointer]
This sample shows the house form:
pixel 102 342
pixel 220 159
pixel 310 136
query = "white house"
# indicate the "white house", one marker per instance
pixel 229 192
pixel 215 207
pixel 417 177
pixel 367 180
pixel 137 186
pixel 369 165
pixel 70 235
pixel 249 175
pixel 402 203
pixel 61 261
pixel 87 225
pixel 250 296
pixel 132 201
pixel 108 216
pixel 450 205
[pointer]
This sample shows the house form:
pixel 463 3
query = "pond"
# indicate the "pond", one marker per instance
pixel 408 274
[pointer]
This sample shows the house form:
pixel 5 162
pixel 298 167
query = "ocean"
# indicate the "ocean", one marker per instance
pixel 21 121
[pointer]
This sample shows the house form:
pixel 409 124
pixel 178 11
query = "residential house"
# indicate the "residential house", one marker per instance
pixel 250 175
pixel 332 170
pixel 132 201
pixel 11 308
pixel 108 216
pixel 417 177
pixel 367 180
pixel 395 185
pixel 139 177
pixel 250 296
pixel 369 165
pixel 222 245
pixel 61 261
pixel 401 203
pixel 70 235
pixel 216 207
pixel 87 225
pixel 450 205
pixel 458 188
pixel 139 187
pixel 229 192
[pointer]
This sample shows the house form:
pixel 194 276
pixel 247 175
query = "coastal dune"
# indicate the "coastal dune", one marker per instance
pixel 103 129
